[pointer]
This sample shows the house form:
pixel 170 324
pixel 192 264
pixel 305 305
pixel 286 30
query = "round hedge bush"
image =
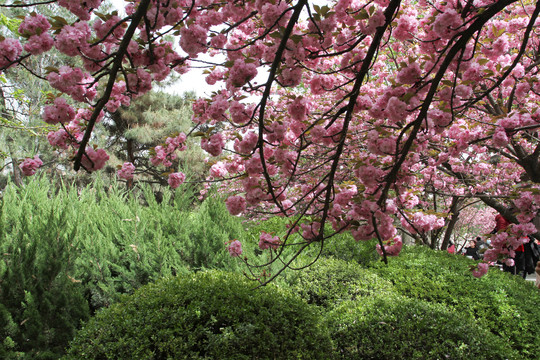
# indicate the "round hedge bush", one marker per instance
pixel 207 315
pixel 330 281
pixel 503 303
pixel 396 327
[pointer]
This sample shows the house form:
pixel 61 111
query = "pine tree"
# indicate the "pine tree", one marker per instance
pixel 134 131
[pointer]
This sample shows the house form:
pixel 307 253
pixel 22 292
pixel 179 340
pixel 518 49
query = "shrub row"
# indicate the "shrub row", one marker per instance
pixel 208 315
pixel 211 315
pixel 502 303
pixel 74 252
pixel 66 253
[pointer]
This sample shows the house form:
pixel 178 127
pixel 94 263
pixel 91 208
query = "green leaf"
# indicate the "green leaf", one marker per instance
pixel 296 38
pixel 275 35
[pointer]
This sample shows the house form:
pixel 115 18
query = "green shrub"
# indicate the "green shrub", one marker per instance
pixel 207 315
pixel 41 303
pixel 344 247
pixel 330 281
pixel 205 232
pixel 505 304
pixel 63 251
pixel 341 246
pixel 123 240
pixel 396 327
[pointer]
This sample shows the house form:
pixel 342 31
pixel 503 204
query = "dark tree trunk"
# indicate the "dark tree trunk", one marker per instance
pixel 451 223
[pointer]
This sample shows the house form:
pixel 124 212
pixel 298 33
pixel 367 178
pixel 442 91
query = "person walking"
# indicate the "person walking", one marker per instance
pixel 472 250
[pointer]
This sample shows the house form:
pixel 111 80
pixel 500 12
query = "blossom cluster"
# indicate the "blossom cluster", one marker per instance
pixel 176 179
pixel 30 165
pixel 126 171
pixel 166 153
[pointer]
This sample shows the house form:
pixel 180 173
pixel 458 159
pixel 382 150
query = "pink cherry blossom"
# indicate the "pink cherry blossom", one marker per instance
pixel 267 241
pixel 38 44
pixel 94 159
pixel 218 170
pixel 214 145
pixel 481 270
pixel 299 108
pixel 241 72
pixel 235 248
pixel 59 112
pixel 409 74
pixel 30 165
pixel 81 8
pixel 72 39
pixel 447 23
pixel 176 179
pixel 391 247
pixel 193 39
pixel 35 24
pixel 59 139
pixel 10 49
pixel 126 172
pixel 236 204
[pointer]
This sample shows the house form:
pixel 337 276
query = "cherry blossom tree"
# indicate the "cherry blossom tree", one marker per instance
pixel 334 114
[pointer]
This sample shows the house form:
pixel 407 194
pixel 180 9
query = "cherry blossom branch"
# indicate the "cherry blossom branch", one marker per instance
pixel 466 35
pixel 27 5
pixel 117 64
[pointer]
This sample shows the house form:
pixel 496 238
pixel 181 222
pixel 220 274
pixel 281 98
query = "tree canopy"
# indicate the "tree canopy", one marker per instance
pixel 344 115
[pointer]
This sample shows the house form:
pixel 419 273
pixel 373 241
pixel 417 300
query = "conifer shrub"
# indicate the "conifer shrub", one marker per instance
pixel 41 301
pixel 205 234
pixel 503 303
pixel 205 315
pixel 397 327
pixel 65 249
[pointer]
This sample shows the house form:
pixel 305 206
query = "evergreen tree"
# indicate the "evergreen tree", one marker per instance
pixel 135 130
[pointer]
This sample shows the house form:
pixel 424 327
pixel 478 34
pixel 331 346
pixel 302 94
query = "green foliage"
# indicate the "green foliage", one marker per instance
pixel 344 247
pixel 64 249
pixel 330 281
pixel 10 23
pixel 124 245
pixel 91 245
pixel 146 123
pixel 341 246
pixel 207 315
pixel 205 234
pixel 41 303
pixel 502 303
pixel 396 327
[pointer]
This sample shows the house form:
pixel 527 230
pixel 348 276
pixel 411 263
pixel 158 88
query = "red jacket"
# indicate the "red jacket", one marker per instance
pixel 501 223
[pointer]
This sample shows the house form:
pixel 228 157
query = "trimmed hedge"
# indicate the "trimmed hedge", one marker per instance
pixel 207 315
pixel 330 281
pixel 503 303
pixel 396 327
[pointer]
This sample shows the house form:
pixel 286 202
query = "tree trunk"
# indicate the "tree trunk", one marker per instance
pixel 452 223
pixel 17 176
pixel 4 113
pixel 131 159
